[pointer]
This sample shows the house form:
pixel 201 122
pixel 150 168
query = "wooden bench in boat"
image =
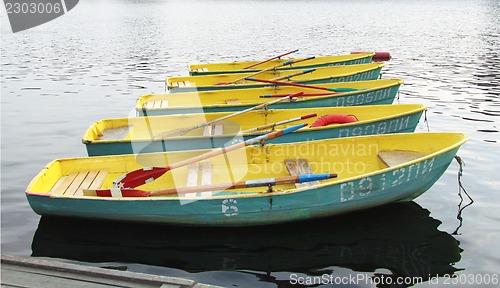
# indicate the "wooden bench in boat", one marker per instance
pixel 202 69
pixel 297 167
pixel 212 130
pixel 200 174
pixel 233 101
pixel 156 104
pixel 74 183
pixel 397 157
pixel 186 83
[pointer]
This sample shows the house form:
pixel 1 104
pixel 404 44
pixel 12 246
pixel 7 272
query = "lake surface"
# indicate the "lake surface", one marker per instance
pixel 93 63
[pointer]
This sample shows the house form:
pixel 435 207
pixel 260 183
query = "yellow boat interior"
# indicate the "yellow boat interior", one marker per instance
pixel 227 66
pixel 241 97
pixel 160 127
pixel 351 158
pixel 318 73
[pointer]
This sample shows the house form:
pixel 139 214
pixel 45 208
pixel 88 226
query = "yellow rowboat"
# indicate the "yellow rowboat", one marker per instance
pixel 154 134
pixel 360 72
pixel 238 67
pixel 371 92
pixel 372 171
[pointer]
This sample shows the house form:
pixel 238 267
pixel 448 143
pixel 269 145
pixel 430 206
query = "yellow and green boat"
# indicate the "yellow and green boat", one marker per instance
pixel 199 69
pixel 371 171
pixel 173 133
pixel 360 72
pixel 372 92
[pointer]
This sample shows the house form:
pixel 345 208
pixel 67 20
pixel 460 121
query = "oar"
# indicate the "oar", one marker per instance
pixel 265 70
pixel 300 85
pixel 272 125
pixel 182 131
pixel 145 175
pixel 214 187
pixel 293 74
pixel 270 59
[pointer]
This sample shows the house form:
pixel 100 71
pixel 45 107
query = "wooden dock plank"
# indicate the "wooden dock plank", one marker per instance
pixel 62 274
pixel 24 272
pixel 11 277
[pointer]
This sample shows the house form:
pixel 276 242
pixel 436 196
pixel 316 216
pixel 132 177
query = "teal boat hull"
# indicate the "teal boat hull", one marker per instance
pixel 362 76
pixel 378 96
pixel 382 187
pixel 400 124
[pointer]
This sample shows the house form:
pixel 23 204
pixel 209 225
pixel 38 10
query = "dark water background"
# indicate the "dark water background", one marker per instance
pixel 93 63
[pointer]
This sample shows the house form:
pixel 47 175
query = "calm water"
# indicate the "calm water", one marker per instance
pixel 95 61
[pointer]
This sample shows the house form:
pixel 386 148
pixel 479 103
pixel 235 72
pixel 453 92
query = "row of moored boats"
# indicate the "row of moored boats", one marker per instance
pixel 252 143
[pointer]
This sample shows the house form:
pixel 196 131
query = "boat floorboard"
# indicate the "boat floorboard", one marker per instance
pixel 27 272
pixel 200 174
pixel 74 183
pixel 297 167
pixel 212 130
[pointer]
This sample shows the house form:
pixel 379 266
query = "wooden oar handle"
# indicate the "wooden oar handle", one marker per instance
pixel 294 74
pixel 272 125
pixel 213 187
pixel 267 60
pixel 288 84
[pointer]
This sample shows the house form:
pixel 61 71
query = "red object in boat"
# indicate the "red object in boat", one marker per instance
pixel 334 119
pixel 379 56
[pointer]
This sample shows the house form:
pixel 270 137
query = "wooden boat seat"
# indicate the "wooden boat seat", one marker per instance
pixel 212 130
pixel 233 101
pixel 156 104
pixel 200 174
pixel 74 183
pixel 186 83
pixel 396 157
pixel 299 166
pixel 202 69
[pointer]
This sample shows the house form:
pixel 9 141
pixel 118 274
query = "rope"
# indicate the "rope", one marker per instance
pixel 427 121
pixel 460 189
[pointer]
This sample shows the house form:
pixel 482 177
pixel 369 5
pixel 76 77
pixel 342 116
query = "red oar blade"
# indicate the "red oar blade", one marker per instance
pixel 140 177
pixel 117 192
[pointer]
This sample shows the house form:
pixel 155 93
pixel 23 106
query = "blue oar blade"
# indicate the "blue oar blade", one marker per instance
pixel 315 177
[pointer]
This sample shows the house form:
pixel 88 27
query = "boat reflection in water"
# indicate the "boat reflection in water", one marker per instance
pixel 401 238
